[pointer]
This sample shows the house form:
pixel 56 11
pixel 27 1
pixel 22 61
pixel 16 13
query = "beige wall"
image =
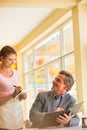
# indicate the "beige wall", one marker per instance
pixel 80 35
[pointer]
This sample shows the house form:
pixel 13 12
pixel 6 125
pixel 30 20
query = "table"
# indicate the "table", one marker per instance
pixel 60 128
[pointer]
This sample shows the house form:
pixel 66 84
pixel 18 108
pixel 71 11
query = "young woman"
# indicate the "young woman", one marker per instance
pixel 11 115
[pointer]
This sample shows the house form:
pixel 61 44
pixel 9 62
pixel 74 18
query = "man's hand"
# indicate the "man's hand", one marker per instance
pixel 58 109
pixel 64 120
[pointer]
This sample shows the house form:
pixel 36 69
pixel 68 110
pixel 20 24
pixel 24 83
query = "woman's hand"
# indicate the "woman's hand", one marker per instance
pixel 18 89
pixel 22 96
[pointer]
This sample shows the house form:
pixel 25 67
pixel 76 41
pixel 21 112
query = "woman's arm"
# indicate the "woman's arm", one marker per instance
pixel 3 100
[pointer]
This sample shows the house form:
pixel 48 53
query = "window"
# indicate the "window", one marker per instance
pixel 46 59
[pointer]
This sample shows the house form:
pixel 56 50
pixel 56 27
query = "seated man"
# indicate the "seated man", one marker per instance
pixel 56 100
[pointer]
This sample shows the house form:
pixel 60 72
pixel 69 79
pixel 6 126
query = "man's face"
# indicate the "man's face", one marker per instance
pixel 58 84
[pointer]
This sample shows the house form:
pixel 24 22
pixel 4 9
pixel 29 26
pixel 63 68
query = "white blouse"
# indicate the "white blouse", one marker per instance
pixel 11 114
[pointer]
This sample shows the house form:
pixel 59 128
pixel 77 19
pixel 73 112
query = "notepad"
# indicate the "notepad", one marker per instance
pixel 50 118
pixel 74 109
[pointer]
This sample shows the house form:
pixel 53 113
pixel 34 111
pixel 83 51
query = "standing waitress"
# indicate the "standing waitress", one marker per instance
pixel 11 115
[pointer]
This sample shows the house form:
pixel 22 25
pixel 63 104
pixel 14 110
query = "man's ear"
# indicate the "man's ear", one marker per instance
pixel 67 87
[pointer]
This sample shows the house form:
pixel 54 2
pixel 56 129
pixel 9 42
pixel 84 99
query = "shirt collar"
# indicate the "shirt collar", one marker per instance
pixel 56 97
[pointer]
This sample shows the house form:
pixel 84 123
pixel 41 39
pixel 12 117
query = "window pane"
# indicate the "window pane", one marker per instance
pixel 41 80
pixel 28 61
pixel 48 50
pixel 70 67
pixel 69 63
pixel 68 38
pixel 30 85
pixel 53 72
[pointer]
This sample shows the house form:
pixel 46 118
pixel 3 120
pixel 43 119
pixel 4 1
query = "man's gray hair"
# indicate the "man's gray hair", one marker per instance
pixel 69 79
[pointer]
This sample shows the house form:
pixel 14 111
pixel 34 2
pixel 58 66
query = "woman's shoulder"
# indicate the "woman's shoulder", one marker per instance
pixel 15 72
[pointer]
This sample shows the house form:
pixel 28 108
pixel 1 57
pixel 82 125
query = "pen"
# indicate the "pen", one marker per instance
pixel 16 93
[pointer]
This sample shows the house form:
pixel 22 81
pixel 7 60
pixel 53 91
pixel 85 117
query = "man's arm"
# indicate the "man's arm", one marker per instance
pixel 36 114
pixel 74 121
pixel 68 120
